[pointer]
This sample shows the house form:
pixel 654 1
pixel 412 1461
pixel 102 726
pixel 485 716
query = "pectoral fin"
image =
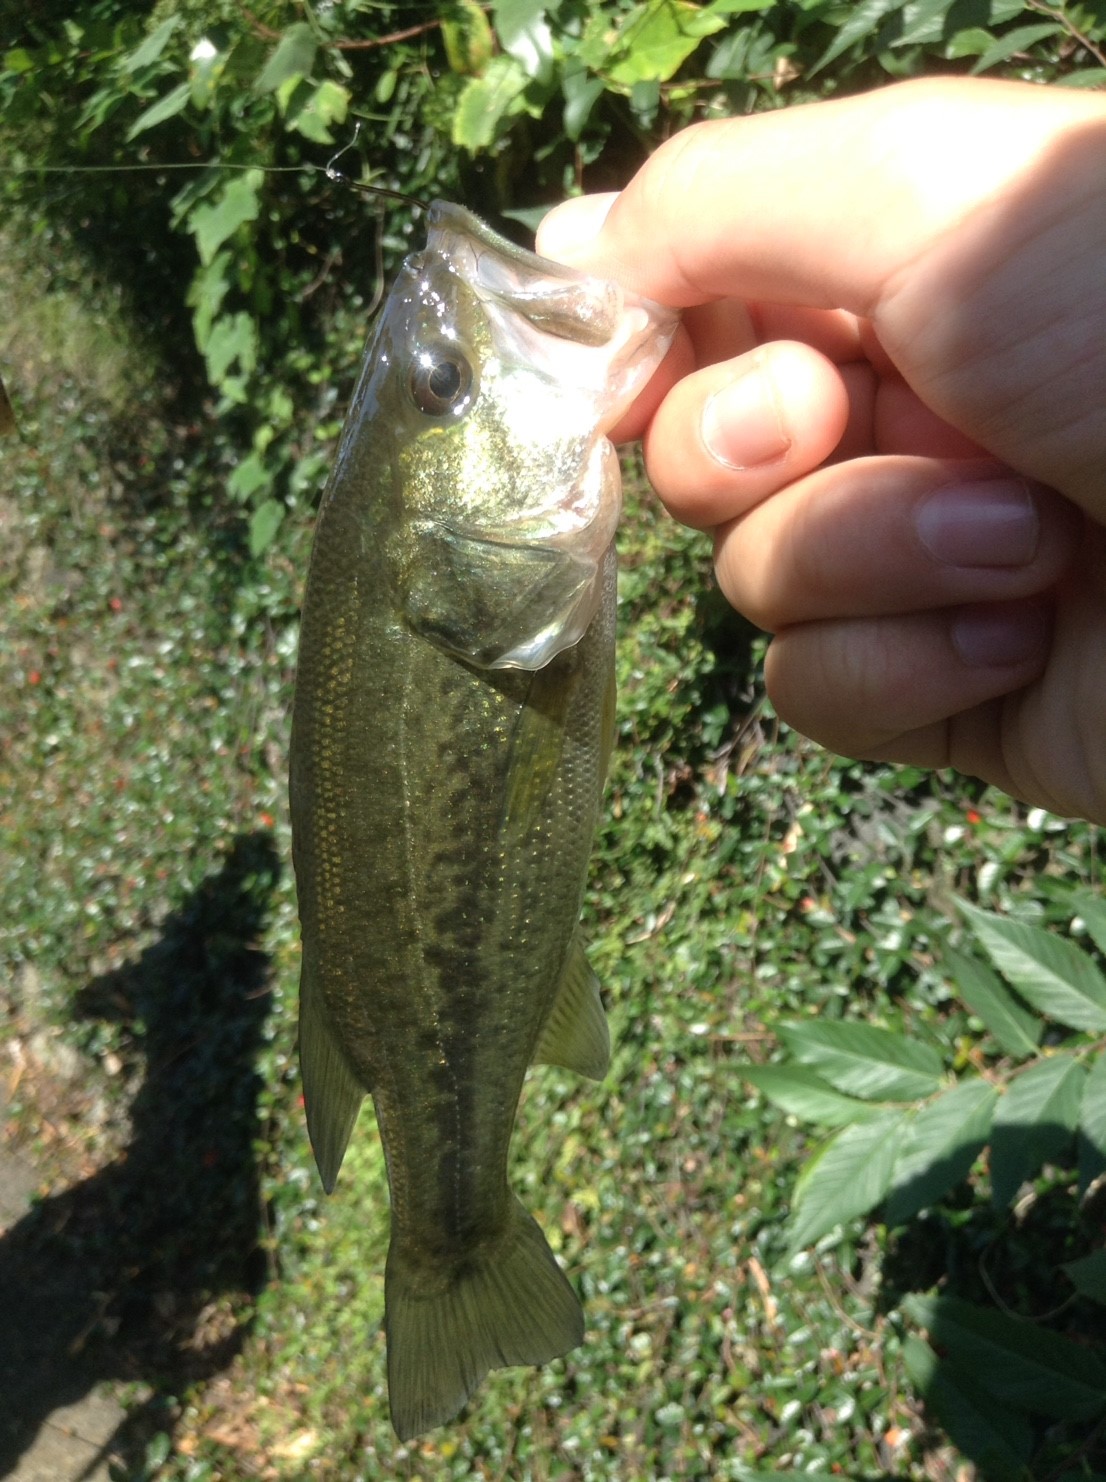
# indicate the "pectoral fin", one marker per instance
pixel 575 1035
pixel 331 1095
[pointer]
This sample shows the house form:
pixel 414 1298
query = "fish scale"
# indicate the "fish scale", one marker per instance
pixel 452 721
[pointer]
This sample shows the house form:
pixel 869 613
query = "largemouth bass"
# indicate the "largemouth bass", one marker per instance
pixel 452 722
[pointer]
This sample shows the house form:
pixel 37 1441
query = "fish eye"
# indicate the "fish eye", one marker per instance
pixel 440 381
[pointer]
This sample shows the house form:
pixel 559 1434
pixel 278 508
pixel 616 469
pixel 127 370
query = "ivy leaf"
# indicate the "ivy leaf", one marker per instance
pixel 212 223
pixel 1026 1365
pixel 848 1177
pixel 996 1436
pixel 802 1093
pixel 939 1147
pixel 863 1060
pixel 233 339
pixel 1034 1122
pixel 293 57
pixel 1049 972
pixel 167 107
pixel 1013 1026
pixel 1092 1124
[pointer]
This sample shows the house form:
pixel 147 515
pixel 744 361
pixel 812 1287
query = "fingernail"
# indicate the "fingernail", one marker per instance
pixel 741 424
pixel 990 523
pixel 1001 633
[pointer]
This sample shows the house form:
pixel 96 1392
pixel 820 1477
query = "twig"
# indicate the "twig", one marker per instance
pixel 1057 13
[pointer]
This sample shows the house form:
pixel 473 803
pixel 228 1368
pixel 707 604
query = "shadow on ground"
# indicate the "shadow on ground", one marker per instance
pixel 141 1272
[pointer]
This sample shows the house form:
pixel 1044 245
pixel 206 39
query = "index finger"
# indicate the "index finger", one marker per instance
pixel 822 205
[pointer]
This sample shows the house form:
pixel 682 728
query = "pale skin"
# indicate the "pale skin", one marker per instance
pixel 888 404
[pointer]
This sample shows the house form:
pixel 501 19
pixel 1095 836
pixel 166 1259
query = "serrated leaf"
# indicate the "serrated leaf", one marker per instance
pixel 1049 971
pixel 1034 1122
pixel 847 1178
pixel 167 107
pixel 1089 1275
pixel 485 101
pixel 866 1061
pixel 294 57
pixel 211 223
pixel 1014 41
pixel 1013 1026
pixel 939 1146
pixel 803 1093
pixel 863 20
pixel 264 523
pixel 1025 1365
pixel 1092 909
pixel 152 47
pixel 1092 1124
pixel 997 1438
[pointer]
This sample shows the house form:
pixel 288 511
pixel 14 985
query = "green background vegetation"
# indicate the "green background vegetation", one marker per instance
pixel 803 1250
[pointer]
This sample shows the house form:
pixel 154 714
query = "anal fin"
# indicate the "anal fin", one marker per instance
pixel 331 1095
pixel 575 1035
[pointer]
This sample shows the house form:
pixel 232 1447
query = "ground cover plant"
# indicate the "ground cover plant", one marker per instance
pixel 813 967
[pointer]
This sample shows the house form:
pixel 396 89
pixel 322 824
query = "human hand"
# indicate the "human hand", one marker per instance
pixel 889 404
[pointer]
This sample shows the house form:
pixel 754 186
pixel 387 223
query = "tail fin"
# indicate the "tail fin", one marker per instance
pixel 510 1305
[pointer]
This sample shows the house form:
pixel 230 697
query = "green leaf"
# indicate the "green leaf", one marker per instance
pixel 294 57
pixel 1015 41
pixel 939 1147
pixel 864 20
pixel 581 92
pixel 1092 1124
pixel 467 38
pixel 924 21
pixel 327 104
pixel 1048 971
pixel 997 1437
pixel 1034 1122
pixel 524 33
pixel 804 1094
pixel 485 101
pixel 1013 1026
pixel 1093 911
pixel 167 107
pixel 206 293
pixel 656 38
pixel 233 339
pixel 1025 1365
pixel 1089 1275
pixel 153 46
pixel 264 523
pixel 863 1060
pixel 211 223
pixel 737 7
pixel 848 1177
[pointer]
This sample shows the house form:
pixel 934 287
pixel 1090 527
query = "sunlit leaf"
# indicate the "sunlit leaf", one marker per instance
pixel 1015 41
pixel 803 1093
pixel 152 47
pixel 848 1177
pixel 1092 909
pixel 864 1060
pixel 1023 1363
pixel 1013 1026
pixel 1049 971
pixel 524 33
pixel 212 223
pixel 264 523
pixel 484 101
pixel 997 1436
pixel 467 38
pixel 656 38
pixel 1034 1122
pixel 939 1146
pixel 863 20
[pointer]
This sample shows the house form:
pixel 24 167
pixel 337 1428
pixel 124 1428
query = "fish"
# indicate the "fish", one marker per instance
pixel 453 717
